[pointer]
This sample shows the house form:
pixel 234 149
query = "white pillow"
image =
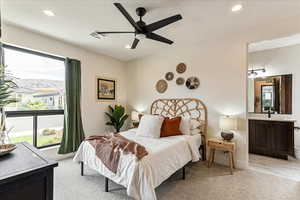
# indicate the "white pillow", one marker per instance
pixel 150 126
pixel 195 131
pixel 185 125
pixel 194 124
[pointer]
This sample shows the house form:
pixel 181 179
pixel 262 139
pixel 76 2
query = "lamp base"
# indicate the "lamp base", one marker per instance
pixel 227 136
pixel 135 124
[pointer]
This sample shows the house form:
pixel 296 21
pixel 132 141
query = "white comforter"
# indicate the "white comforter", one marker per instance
pixel 166 155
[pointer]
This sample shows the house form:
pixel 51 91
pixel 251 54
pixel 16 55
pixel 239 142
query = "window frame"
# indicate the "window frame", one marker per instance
pixel 34 113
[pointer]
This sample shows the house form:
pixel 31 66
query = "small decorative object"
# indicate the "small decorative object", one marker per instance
pixel 161 86
pixel 106 89
pixel 117 117
pixel 169 76
pixel 181 68
pixel 180 81
pixel 192 83
pixel 227 125
pixel 7 148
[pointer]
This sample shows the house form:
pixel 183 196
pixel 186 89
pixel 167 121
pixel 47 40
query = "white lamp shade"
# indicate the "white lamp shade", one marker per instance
pixel 135 116
pixel 228 123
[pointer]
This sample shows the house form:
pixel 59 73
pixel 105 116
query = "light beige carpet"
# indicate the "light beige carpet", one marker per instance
pixel 201 183
pixel 284 168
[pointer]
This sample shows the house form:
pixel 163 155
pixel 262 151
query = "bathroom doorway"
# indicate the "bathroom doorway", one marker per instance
pixel 273 108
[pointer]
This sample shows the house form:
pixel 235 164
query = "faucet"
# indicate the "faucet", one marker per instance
pixel 269 113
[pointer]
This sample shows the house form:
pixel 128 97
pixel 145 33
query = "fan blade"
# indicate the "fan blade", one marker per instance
pixel 159 24
pixel 127 16
pixel 113 32
pixel 134 44
pixel 159 38
pixel 99 35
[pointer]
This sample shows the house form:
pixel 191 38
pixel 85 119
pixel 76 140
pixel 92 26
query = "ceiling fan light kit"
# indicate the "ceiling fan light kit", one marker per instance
pixel 141 29
pixel 140 36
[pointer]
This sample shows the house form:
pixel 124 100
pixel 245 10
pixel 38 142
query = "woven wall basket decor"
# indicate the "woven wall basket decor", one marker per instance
pixel 181 68
pixel 169 76
pixel 192 83
pixel 180 81
pixel 161 86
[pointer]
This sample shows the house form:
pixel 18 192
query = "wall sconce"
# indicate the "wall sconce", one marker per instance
pixel 252 73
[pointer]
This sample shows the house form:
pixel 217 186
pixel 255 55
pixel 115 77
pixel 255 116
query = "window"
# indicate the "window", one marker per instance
pixel 38 116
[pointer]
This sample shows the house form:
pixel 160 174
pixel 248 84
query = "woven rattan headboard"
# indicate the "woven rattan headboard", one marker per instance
pixel 194 108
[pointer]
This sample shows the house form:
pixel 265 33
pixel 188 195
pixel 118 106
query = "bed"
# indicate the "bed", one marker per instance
pixel 166 155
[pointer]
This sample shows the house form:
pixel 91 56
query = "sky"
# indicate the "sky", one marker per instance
pixel 28 66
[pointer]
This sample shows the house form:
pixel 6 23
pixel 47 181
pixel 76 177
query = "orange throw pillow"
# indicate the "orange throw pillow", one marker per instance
pixel 170 127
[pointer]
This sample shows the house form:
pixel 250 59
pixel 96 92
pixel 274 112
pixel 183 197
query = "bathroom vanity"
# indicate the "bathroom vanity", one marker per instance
pixel 272 137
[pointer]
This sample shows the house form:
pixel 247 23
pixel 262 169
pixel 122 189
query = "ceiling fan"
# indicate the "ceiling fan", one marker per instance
pixel 141 30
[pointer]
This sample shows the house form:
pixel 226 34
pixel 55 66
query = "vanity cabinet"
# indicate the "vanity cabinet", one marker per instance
pixel 271 138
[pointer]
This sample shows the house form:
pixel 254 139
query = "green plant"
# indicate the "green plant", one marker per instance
pixel 46 131
pixel 117 117
pixel 6 89
pixel 34 105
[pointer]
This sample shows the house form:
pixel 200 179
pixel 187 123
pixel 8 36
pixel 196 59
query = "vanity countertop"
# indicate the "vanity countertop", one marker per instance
pixel 273 119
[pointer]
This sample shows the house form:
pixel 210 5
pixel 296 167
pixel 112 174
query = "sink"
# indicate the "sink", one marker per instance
pixel 275 118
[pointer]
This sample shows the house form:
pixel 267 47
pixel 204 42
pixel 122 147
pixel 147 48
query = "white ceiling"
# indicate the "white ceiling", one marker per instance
pixel 202 20
pixel 275 43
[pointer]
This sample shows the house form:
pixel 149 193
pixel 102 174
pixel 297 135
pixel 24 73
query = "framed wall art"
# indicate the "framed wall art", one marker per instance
pixel 106 89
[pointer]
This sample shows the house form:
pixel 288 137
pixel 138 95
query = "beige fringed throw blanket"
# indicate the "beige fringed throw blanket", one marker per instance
pixel 108 149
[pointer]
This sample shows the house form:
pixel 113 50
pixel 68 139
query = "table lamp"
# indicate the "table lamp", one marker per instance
pixel 227 125
pixel 135 118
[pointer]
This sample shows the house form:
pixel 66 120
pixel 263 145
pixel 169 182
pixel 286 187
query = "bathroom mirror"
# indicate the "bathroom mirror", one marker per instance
pixel 270 93
pixel 273 68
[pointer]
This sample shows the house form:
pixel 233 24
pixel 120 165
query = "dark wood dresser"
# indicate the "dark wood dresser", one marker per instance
pixel 271 138
pixel 26 174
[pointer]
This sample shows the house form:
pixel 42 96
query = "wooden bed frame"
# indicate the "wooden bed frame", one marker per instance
pixel 190 107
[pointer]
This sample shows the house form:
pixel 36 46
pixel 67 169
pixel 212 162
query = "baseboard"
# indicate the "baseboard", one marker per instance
pixel 51 153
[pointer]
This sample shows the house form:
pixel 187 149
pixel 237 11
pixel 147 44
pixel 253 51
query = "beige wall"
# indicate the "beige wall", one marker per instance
pixel 222 83
pixel 221 66
pixel 92 65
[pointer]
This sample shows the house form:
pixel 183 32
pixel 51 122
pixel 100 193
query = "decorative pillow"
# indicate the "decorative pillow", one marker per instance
pixel 170 127
pixel 150 126
pixel 194 124
pixel 185 125
pixel 195 131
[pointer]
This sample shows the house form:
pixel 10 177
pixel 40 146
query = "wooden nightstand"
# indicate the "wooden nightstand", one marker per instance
pixel 220 144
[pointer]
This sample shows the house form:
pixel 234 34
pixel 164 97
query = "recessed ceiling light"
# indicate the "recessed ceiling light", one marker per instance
pixel 49 13
pixel 127 46
pixel 237 7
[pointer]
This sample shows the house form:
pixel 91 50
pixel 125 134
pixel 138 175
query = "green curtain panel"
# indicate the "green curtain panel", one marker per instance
pixel 73 133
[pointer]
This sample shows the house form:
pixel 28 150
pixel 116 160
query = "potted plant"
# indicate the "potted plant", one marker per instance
pixel 117 117
pixel 6 90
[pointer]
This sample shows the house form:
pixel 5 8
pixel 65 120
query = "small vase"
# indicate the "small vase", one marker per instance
pixel 2 138
pixel 3 135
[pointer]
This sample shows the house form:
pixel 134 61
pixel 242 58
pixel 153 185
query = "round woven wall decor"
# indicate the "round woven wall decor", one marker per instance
pixel 169 76
pixel 180 81
pixel 181 68
pixel 161 86
pixel 192 83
